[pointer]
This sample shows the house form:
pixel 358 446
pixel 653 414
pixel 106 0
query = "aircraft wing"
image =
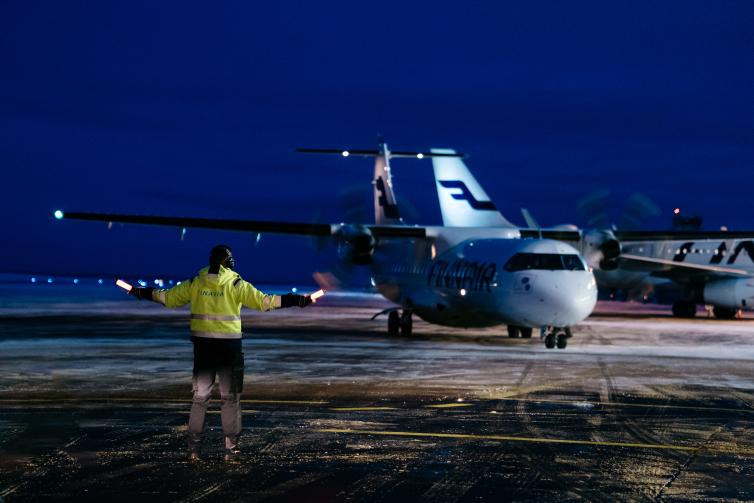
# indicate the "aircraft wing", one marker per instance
pixel 257 226
pixel 624 236
pixel 642 236
pixel 683 272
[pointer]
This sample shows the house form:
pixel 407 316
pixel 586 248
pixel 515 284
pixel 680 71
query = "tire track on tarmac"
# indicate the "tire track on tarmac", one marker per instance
pixel 539 456
pixel 544 454
pixel 460 481
pixel 455 484
pixel 635 427
pixel 625 418
pixel 690 459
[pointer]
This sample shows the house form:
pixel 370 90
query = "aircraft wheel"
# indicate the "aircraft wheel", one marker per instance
pixel 724 313
pixel 684 309
pixel 513 331
pixel 550 341
pixel 393 323
pixel 407 324
pixel 562 341
pixel 526 332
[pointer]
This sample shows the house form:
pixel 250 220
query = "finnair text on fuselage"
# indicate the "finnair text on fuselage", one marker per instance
pixel 474 276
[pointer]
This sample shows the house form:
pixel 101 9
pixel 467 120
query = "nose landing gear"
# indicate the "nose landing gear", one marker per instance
pixel 556 336
pixel 516 331
pixel 407 323
pixel 400 323
pixel 684 309
pixel 393 323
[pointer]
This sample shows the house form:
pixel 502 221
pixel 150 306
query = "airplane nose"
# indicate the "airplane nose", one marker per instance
pixel 571 299
pixel 561 299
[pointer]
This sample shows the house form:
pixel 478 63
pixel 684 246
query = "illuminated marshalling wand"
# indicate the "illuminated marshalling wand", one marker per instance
pixel 124 285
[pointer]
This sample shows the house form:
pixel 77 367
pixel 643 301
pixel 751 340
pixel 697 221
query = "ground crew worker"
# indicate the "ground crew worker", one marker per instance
pixel 216 295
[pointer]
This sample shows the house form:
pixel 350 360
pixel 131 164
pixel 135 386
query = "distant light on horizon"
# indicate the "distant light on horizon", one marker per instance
pixel 463 292
pixel 420 156
pixel 58 214
pixel 75 281
pixel 33 279
pixel 346 153
pixel 99 281
pixel 294 289
pixel 49 280
pixel 677 211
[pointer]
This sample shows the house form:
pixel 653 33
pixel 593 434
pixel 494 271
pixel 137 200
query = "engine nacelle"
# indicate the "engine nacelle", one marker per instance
pixel 730 293
pixel 356 244
pixel 600 249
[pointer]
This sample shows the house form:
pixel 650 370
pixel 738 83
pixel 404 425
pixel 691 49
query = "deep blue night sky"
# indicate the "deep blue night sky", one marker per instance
pixel 194 110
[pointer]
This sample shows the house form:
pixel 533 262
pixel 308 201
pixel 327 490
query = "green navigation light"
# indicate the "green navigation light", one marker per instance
pixel 58 214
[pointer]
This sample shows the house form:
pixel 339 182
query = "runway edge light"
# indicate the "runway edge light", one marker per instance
pixel 59 214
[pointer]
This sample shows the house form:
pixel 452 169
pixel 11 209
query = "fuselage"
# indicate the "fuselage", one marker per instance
pixel 459 280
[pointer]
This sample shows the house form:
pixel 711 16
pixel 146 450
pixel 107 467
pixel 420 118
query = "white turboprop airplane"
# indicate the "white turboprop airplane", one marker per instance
pixel 458 275
pixel 710 267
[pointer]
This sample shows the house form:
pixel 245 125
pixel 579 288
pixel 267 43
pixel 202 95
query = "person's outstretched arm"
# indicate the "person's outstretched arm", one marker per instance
pixel 256 299
pixel 178 296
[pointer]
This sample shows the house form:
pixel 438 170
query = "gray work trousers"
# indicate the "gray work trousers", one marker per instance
pixel 219 359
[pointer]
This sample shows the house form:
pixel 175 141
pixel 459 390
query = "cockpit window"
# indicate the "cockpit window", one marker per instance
pixel 546 261
pixel 573 263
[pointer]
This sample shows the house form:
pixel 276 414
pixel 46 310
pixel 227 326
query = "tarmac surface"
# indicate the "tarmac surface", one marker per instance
pixel 94 402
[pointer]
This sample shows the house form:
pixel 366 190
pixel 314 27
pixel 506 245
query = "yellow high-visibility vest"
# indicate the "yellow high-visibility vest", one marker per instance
pixel 216 301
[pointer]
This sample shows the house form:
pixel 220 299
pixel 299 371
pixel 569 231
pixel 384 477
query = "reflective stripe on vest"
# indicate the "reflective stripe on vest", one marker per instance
pixel 215 335
pixel 215 317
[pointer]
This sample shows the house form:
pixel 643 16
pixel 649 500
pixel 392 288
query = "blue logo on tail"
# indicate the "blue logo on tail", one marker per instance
pixel 467 195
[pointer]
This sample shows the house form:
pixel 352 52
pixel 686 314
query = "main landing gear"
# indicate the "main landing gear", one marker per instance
pixel 724 313
pixel 516 331
pixel 556 336
pixel 687 309
pixel 401 323
pixel 684 309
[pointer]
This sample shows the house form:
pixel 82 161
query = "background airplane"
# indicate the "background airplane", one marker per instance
pixel 455 275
